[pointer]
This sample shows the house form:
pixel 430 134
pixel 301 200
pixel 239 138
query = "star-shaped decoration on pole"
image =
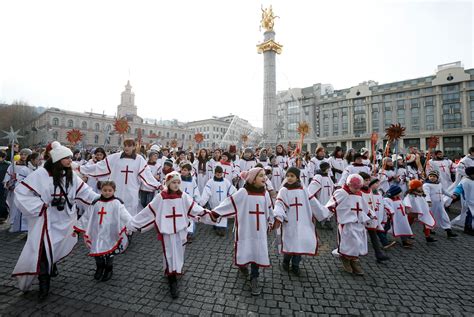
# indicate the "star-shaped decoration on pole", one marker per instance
pixel 12 136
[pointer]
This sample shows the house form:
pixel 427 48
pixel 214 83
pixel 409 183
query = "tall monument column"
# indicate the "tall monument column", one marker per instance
pixel 269 48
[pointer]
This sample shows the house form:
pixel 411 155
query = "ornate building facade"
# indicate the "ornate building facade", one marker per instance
pixel 441 104
pixel 98 129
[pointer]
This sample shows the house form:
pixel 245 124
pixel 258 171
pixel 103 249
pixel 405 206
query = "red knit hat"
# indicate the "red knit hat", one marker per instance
pixel 414 184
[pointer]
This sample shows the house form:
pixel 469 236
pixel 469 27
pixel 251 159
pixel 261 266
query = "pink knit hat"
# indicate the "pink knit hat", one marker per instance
pixel 250 175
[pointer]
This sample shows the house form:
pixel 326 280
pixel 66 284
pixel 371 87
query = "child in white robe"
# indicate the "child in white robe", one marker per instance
pixel 216 190
pixel 465 191
pixel 146 193
pixel 387 175
pixel 374 212
pixel 252 208
pixel 104 228
pixel 352 215
pixel 434 195
pixel 398 216
pixel 190 187
pixel 295 210
pixel 16 173
pixel 169 213
pixel 322 187
pixel 278 174
pixel 418 208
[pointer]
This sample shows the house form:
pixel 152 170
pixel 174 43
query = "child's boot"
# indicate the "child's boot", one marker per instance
pixel 173 282
pixel 356 267
pixel 450 233
pixel 108 271
pixel 100 265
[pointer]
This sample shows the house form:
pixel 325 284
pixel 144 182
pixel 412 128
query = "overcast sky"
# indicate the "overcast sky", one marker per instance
pixel 193 59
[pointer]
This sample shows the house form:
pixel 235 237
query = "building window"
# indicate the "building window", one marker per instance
pixel 387 118
pixel 429 116
pixel 109 127
pixel 70 123
pixel 453 146
pixel 359 117
pixel 335 122
pixel 375 117
pixel 471 106
pixel 96 139
pixel 167 135
pixel 411 143
pixel 84 125
pixel 358 145
pixel 428 90
pixel 55 134
pixel 415 118
pixel 401 116
pixel 55 122
pixel 345 121
pixel 452 116
pixel 97 126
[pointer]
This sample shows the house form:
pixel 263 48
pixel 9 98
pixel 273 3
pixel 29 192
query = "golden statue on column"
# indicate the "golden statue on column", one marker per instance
pixel 268 19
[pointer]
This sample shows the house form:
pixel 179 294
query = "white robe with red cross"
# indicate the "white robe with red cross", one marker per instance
pixel 417 204
pixel 214 193
pixel 229 170
pixel 278 175
pixel 434 195
pixel 170 215
pixel 321 187
pixel 47 225
pixel 282 161
pixel 445 169
pixel 128 174
pixel 351 212
pixel 397 210
pixel 376 204
pixel 295 210
pixel 12 180
pixel 190 187
pixel 103 225
pixel 253 214
pixel 154 169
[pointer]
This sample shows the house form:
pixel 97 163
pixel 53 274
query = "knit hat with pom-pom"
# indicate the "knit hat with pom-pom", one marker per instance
pixel 58 151
pixel 250 175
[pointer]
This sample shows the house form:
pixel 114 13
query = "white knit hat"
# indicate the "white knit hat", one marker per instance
pixel 155 148
pixel 59 152
pixel 171 177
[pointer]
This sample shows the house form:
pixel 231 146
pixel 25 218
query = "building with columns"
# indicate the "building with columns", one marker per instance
pixel 441 104
pixel 53 124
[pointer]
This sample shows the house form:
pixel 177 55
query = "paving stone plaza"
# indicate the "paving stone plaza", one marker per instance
pixel 429 280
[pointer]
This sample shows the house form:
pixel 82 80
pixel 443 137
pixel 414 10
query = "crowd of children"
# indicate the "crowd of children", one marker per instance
pixel 57 195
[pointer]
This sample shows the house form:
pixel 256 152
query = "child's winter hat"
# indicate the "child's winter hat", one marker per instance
pixel 168 162
pixel 364 150
pixel 414 184
pixel 58 152
pixel 470 171
pixel 433 172
pixel 26 151
pixel 355 180
pixel 248 150
pixel 295 171
pixel 172 177
pixel 250 175
pixel 393 191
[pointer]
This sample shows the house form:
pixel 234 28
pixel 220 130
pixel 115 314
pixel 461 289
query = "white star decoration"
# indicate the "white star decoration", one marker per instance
pixel 12 136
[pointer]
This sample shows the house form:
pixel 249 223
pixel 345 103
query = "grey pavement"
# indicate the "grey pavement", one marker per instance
pixel 428 280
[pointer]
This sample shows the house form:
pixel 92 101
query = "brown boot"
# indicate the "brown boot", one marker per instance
pixel 346 264
pixel 356 267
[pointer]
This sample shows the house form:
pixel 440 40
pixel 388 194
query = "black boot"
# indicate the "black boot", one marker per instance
pixel 108 271
pixel 382 258
pixel 469 231
pixel 100 266
pixel 54 271
pixel 173 282
pixel 44 280
pixel 430 239
pixel 450 233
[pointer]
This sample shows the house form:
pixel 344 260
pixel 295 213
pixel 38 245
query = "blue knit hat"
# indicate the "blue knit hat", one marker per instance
pixel 393 191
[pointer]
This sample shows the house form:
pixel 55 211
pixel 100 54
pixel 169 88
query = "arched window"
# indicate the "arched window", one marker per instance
pixel 70 123
pixel 109 127
pixel 151 132
pixel 167 135
pixel 55 122
pixel 176 135
pixel 182 136
pixel 96 139
pixel 97 126
pixel 55 135
pixel 84 125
